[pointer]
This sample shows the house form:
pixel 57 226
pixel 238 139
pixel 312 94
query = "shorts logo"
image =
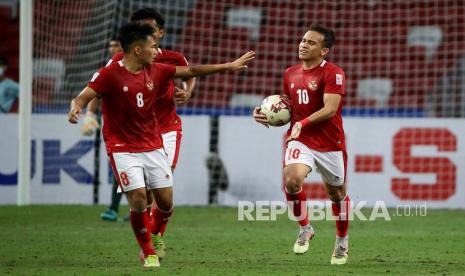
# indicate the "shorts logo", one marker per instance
pixel 339 79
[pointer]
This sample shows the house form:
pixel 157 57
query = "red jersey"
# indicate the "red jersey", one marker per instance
pixel 167 117
pixel 128 105
pixel 305 89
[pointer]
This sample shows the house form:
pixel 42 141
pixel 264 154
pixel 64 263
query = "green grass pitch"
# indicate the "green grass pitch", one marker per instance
pixel 72 240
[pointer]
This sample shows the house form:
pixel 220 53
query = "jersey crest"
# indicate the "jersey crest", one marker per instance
pixel 149 85
pixel 313 85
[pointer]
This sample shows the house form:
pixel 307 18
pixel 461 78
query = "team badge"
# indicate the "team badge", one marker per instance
pixel 313 85
pixel 339 79
pixel 149 85
pixel 125 88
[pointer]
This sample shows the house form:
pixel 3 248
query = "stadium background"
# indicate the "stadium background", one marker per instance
pixel 403 118
pixel 403 111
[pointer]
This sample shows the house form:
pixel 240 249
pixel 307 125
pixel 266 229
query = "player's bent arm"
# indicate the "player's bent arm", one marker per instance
pixel 190 84
pixel 78 103
pixel 184 94
pixel 331 104
pixel 207 69
pixel 92 106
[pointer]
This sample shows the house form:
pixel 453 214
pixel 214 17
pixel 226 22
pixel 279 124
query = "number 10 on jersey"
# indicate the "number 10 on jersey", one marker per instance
pixel 303 96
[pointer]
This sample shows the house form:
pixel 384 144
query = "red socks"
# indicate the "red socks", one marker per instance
pixel 341 212
pixel 298 203
pixel 140 223
pixel 160 220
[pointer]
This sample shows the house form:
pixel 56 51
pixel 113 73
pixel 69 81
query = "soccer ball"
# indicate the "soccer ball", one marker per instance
pixel 277 110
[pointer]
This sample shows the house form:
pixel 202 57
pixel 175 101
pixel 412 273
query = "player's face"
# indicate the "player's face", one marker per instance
pixel 147 50
pixel 114 47
pixel 311 46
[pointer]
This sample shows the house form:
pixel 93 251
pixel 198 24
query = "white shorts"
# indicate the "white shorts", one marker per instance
pixel 172 143
pixel 141 169
pixel 331 165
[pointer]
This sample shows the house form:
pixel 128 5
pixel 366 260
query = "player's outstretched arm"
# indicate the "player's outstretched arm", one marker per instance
pixel 331 105
pixel 260 117
pixel 78 103
pixel 207 69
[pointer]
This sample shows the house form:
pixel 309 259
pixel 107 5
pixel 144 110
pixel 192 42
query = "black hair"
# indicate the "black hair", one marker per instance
pixel 326 32
pixel 133 32
pixel 148 13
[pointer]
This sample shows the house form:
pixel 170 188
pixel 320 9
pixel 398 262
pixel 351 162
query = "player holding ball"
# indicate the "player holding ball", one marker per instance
pixel 315 140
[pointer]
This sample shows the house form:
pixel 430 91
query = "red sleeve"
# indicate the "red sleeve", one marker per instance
pixel 166 71
pixel 100 82
pixel 115 58
pixel 182 61
pixel 335 81
pixel 118 56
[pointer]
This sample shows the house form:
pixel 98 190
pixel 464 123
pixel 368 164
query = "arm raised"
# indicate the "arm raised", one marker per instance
pixel 208 69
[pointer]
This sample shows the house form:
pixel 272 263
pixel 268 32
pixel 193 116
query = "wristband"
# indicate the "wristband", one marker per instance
pixel 305 122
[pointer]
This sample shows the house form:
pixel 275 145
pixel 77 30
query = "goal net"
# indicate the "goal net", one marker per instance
pixel 405 67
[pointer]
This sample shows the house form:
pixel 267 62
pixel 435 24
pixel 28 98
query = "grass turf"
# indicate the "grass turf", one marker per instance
pixel 57 240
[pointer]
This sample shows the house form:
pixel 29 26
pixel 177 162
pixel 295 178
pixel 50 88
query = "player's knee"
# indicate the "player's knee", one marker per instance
pixel 164 198
pixel 336 195
pixel 165 205
pixel 138 200
pixel 293 183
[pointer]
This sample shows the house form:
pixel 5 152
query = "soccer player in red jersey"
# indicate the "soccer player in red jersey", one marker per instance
pixel 316 136
pixel 114 46
pixel 129 89
pixel 168 121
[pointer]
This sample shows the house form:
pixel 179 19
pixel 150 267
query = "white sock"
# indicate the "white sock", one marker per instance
pixel 308 226
pixel 342 240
